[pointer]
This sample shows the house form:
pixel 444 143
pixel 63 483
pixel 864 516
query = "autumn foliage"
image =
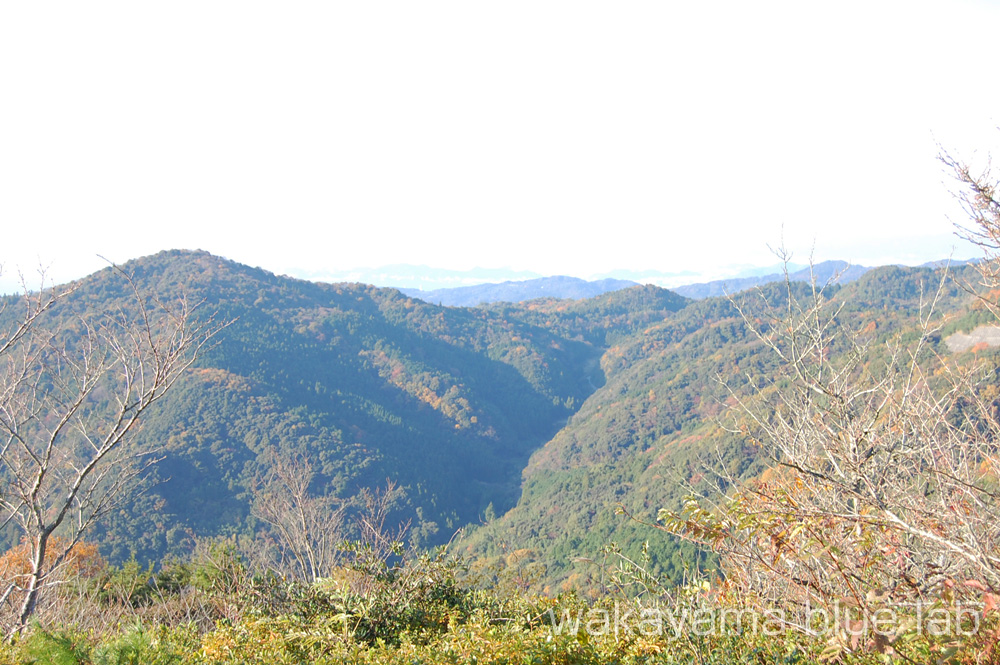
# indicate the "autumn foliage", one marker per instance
pixel 83 560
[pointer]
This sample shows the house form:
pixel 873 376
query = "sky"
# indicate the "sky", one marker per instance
pixel 570 137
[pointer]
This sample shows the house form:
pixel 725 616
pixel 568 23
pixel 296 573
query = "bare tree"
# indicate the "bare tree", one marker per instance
pixel 309 536
pixel 978 195
pixel 885 459
pixel 73 388
pixel 305 530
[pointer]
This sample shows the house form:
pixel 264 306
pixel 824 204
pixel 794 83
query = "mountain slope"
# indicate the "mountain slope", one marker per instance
pixel 652 433
pixel 364 383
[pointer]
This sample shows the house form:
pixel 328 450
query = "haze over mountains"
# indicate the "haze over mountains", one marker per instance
pixel 520 290
pixel 522 425
pixel 426 278
pixel 574 288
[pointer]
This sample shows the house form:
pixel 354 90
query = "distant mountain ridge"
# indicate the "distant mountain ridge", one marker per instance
pixel 559 286
pixel 573 288
pixel 840 272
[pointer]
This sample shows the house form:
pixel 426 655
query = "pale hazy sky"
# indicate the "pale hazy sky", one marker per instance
pixel 560 137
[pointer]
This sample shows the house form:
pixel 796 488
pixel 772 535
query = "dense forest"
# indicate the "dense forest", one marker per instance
pixel 342 471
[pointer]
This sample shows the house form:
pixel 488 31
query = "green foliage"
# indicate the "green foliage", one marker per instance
pixel 140 646
pixel 436 609
pixel 128 584
pixel 62 647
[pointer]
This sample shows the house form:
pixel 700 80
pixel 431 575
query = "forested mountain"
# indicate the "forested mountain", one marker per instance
pixel 538 418
pixel 365 383
pixel 660 427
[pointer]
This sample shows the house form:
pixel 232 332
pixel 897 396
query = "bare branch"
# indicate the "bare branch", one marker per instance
pixel 71 401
